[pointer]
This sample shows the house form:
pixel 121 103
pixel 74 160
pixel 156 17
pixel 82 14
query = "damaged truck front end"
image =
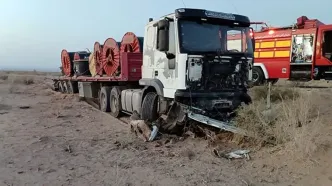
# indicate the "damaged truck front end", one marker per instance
pixel 202 63
pixel 218 68
pixel 217 86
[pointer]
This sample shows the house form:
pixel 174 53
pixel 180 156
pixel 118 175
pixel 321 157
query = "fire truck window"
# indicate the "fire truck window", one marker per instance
pixel 302 49
pixel 327 45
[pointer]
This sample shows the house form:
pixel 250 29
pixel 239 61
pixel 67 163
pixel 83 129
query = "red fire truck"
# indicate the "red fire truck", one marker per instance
pixel 298 52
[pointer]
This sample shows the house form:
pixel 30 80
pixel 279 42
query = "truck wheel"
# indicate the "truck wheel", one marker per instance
pixel 115 102
pixel 150 107
pixel 104 99
pixel 257 76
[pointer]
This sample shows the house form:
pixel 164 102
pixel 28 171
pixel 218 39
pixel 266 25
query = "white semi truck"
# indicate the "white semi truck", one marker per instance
pixel 187 70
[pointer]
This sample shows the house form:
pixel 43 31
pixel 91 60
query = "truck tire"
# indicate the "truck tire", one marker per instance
pixel 150 107
pixel 257 76
pixel 69 87
pixel 65 87
pixel 55 86
pixel 104 99
pixel 72 87
pixel 115 102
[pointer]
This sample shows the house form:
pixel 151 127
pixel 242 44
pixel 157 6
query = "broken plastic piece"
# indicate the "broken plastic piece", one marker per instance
pixel 238 154
pixel 154 132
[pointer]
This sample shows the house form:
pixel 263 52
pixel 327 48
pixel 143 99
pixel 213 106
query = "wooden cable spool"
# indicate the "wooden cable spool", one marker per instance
pixel 92 65
pixel 111 57
pixel 131 43
pixel 67 62
pixel 97 50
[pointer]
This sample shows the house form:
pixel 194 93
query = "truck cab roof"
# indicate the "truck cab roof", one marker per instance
pixel 191 13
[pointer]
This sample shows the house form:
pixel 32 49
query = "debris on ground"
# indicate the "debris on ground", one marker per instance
pixel 68 149
pixel 139 127
pixel 154 132
pixel 237 154
pixel 24 107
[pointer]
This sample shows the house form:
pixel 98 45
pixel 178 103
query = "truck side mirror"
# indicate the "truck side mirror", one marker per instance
pixel 163 35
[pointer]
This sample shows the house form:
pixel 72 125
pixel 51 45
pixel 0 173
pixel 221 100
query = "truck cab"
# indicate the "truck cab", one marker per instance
pixel 322 66
pixel 189 61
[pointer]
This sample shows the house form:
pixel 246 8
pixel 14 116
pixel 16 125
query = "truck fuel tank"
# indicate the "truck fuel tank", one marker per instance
pixel 131 99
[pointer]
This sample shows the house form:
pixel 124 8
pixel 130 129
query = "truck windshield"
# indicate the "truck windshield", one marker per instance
pixel 202 37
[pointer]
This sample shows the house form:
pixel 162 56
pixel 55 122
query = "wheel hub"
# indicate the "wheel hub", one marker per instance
pixel 103 101
pixel 114 103
pixel 255 76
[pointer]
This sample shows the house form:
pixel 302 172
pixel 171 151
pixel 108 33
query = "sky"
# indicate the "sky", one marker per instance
pixel 33 32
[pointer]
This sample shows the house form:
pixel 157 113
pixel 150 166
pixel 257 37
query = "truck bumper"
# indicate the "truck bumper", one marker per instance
pixel 227 126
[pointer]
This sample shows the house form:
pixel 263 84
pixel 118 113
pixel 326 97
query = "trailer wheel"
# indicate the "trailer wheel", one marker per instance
pixel 56 85
pixel 104 99
pixel 69 87
pixel 150 107
pixel 257 76
pixel 115 102
pixel 65 87
pixel 61 88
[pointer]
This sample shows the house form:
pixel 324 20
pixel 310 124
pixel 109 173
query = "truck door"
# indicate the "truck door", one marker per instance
pixel 324 46
pixel 156 65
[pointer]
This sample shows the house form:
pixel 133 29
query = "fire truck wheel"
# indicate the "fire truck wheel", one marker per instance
pixel 257 76
pixel 104 99
pixel 115 102
pixel 150 107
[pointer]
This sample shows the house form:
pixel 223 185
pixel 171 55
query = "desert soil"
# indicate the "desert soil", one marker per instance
pixel 48 138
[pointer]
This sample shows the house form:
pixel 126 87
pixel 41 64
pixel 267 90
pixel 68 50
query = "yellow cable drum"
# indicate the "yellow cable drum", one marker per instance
pixel 92 65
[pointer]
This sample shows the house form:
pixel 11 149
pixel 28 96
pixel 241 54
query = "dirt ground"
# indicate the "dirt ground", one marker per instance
pixel 48 138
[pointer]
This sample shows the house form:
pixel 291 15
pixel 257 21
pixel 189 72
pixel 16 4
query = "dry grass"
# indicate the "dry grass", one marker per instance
pixel 277 93
pixel 23 80
pixel 34 73
pixel 4 77
pixel 15 81
pixel 293 120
